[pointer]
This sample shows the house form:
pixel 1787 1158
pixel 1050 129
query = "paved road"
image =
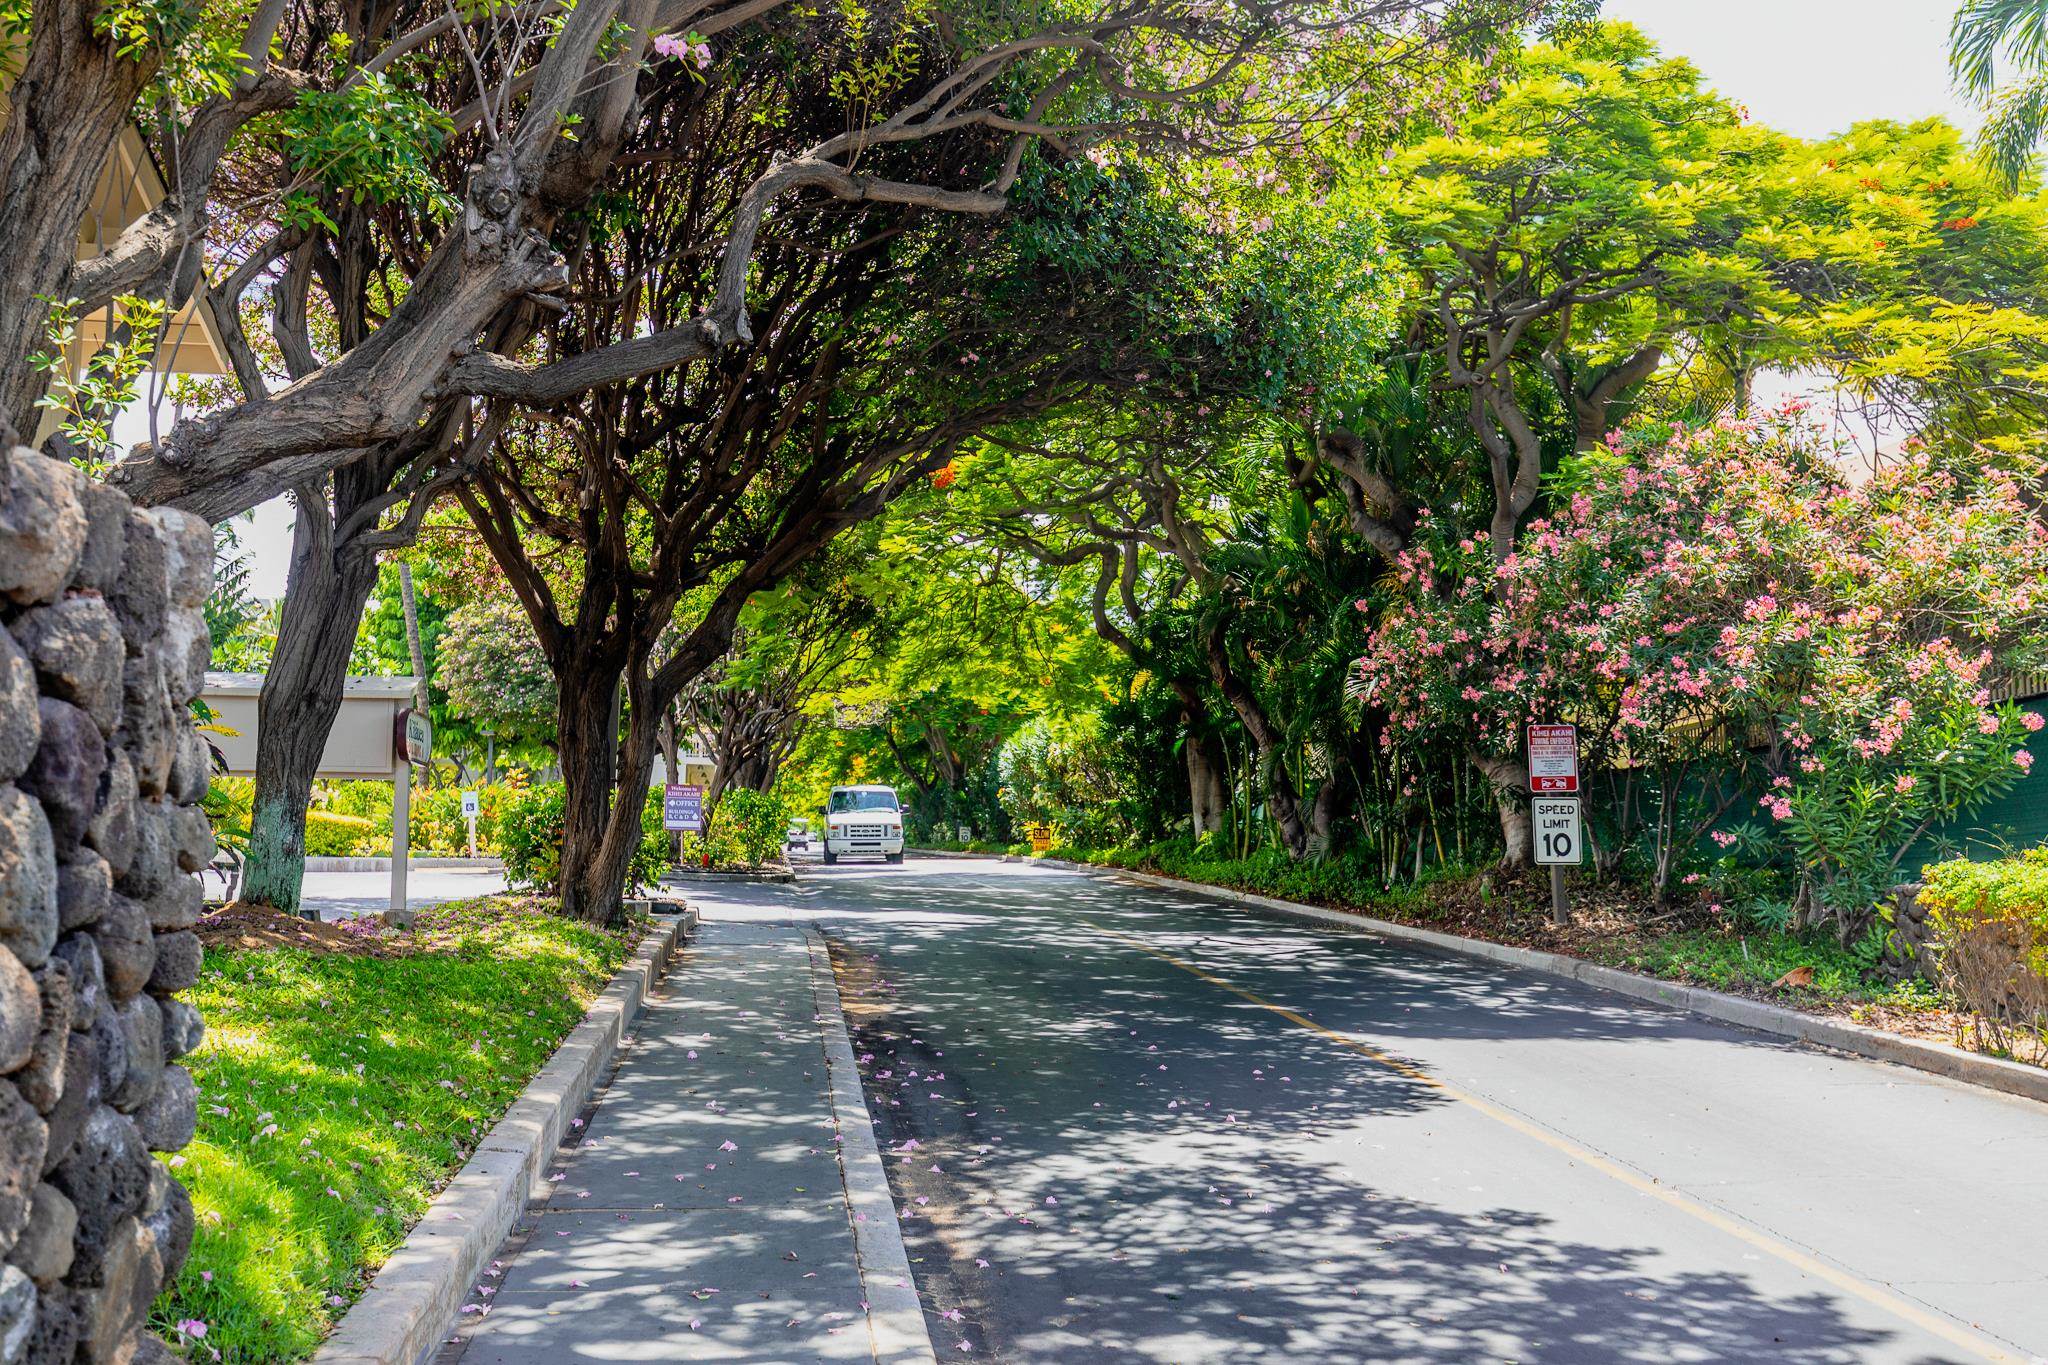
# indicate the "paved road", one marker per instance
pixel 1150 1128
pixel 343 895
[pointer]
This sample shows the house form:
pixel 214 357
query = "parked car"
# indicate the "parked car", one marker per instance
pixel 799 834
pixel 863 820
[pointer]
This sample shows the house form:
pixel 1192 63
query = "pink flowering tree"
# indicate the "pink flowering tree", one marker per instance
pixel 1600 617
pixel 1868 626
pixel 1759 652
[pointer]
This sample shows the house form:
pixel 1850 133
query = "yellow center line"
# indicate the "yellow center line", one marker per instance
pixel 1932 1323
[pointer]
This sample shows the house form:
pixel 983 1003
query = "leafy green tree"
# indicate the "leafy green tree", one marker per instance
pixel 494 675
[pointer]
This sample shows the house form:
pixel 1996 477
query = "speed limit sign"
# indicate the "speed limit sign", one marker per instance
pixel 1559 839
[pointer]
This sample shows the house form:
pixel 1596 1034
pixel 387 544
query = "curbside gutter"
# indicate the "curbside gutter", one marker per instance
pixel 1973 1068
pixel 896 1323
pixel 414 1298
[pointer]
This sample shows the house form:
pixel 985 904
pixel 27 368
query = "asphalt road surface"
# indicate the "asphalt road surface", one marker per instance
pixel 1128 1125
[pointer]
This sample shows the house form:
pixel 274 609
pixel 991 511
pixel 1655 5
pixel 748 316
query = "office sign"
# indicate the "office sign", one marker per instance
pixel 682 807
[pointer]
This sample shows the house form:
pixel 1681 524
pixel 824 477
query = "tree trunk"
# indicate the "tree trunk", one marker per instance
pixel 324 599
pixel 598 863
pixel 586 742
pixel 1324 812
pixel 65 111
pixel 1208 795
pixel 1281 800
pixel 1517 834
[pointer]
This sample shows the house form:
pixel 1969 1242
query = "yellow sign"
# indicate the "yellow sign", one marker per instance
pixel 1040 836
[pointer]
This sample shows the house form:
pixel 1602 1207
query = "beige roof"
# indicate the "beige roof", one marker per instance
pixel 129 187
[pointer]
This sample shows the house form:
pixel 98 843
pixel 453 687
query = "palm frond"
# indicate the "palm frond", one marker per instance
pixel 1983 29
pixel 2012 131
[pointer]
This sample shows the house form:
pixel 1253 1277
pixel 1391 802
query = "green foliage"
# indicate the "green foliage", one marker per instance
pixel 493 671
pixel 438 825
pixel 371 141
pixel 1990 923
pixel 1063 782
pixel 651 856
pixel 228 804
pixel 530 838
pixel 85 405
pixel 332 835
pixel 338 1093
pixel 1961 895
pixel 1750 962
pixel 750 825
pixel 530 824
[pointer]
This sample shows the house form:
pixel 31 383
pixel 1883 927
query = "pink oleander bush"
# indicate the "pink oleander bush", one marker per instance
pixel 1757 649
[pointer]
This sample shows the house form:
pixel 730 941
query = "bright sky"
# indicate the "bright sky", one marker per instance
pixel 1813 67
pixel 1810 67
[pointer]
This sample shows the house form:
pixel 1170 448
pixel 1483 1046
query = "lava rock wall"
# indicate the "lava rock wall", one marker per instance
pixel 101 838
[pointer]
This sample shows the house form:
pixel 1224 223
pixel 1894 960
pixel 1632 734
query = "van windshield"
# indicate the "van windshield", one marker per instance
pixel 843 801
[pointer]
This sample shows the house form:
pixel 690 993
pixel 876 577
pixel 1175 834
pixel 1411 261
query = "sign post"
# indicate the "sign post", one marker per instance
pixel 412 741
pixel 682 808
pixel 470 809
pixel 1555 826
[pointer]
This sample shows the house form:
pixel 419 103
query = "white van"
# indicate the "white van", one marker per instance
pixel 863 820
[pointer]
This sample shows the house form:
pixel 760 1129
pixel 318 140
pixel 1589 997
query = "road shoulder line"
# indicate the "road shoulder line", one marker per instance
pixel 895 1317
pixel 1971 1068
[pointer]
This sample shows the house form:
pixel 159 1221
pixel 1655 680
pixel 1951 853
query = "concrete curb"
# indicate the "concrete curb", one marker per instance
pixel 1993 1073
pixel 417 1293
pixel 686 877
pixel 416 864
pixel 895 1317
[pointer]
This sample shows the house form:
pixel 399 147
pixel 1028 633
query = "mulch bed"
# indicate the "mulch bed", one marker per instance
pixel 246 927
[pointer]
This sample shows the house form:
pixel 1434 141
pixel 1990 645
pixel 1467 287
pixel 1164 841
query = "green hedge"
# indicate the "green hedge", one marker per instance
pixel 1990 923
pixel 329 835
pixel 1340 881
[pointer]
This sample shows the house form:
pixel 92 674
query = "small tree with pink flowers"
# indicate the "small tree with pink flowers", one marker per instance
pixel 1757 650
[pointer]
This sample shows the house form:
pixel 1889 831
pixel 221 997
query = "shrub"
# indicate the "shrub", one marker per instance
pixel 438 825
pixel 650 859
pixel 1990 924
pixel 1731 581
pixel 748 826
pixel 364 800
pixel 340 836
pixel 530 838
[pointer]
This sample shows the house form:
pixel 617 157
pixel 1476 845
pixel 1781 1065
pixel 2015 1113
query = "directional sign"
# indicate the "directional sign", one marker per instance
pixel 682 807
pixel 1560 842
pixel 1553 759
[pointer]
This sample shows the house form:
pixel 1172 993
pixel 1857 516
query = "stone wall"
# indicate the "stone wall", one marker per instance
pixel 100 838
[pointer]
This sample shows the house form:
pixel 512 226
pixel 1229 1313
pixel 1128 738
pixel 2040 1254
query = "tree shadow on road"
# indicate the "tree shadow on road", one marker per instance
pixel 1086 1176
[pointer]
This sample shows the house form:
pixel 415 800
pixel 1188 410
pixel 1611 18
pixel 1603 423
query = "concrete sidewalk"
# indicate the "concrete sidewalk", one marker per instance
pixel 705 1210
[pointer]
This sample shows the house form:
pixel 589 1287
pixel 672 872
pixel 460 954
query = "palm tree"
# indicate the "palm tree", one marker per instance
pixel 1984 33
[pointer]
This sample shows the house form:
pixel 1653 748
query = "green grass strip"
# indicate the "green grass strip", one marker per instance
pixel 339 1092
